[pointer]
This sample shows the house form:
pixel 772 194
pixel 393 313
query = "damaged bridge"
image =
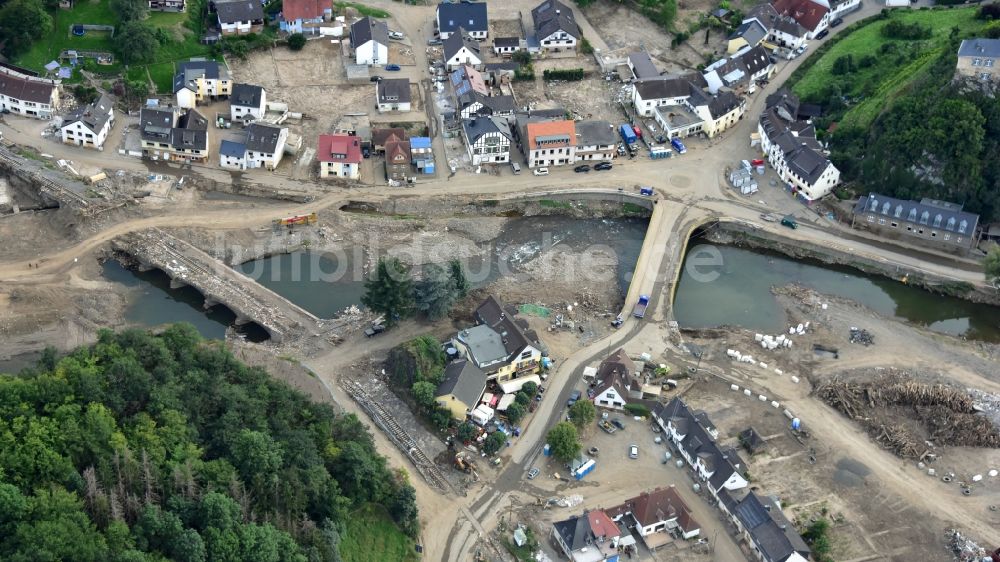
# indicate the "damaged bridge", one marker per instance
pixel 220 284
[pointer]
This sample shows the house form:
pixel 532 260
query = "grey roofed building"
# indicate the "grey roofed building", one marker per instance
pixel 469 15
pixel 751 30
pixel 491 105
pixel 698 441
pixel 232 149
pixel 936 214
pixel 722 103
pixel 574 532
pixel 191 132
pixel 248 95
pixel 506 42
pixel 592 133
pixel 155 124
pixel 454 43
pixel 393 90
pixel 239 10
pixel 642 65
pixel 189 71
pixel 263 138
pixel 463 380
pixel 980 48
pixel 770 531
pixel 367 29
pixel 477 128
pixel 675 86
pixel 485 345
pixel 756 59
pixel 93 115
pixel 806 163
pixel 551 16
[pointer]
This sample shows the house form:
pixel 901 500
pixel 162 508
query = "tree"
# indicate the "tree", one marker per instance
pixel 389 291
pixel 530 388
pixel 515 412
pixel 434 293
pixel 22 22
pixel 424 394
pixel 563 441
pixel 522 398
pixel 130 10
pixel 137 42
pixel 991 265
pixel 466 432
pixel 296 41
pixel 494 442
pixel 582 413
pixel 460 284
pixel 256 455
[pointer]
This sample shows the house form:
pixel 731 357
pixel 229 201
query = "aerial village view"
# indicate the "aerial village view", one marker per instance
pixel 522 280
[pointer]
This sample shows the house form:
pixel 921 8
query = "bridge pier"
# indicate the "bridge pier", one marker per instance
pixel 177 283
pixel 143 268
pixel 210 302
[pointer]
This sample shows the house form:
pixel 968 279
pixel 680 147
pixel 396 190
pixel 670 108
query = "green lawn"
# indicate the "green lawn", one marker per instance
pixel 891 73
pixel 371 536
pixel 362 9
pixel 162 74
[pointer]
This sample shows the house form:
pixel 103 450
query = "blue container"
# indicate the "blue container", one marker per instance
pixel 547 451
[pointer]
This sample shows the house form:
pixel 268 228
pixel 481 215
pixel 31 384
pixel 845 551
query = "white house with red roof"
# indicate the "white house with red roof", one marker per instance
pixel 304 16
pixel 339 156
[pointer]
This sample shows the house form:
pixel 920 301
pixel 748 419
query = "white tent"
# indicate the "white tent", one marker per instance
pixel 506 401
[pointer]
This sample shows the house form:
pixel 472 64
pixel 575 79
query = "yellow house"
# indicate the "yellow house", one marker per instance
pixel 461 389
pixel 199 80
pixel 749 34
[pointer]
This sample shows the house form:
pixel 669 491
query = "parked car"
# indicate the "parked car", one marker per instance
pixel 582 169
pixel 533 473
pixel 573 398
pixel 801 50
pixel 376 78
pixel 392 67
pixel 633 451
pixel 836 22
pixel 395 34
pixel 822 34
pixel 618 423
pixel 433 42
pixel 374 330
pixel 540 171
pixel 603 166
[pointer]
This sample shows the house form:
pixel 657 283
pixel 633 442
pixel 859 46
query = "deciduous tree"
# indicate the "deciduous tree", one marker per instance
pixel 563 441
pixel 494 442
pixel 991 265
pixel 22 22
pixel 582 413
pixel 137 42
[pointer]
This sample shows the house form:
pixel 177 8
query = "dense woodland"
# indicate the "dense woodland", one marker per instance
pixel 154 447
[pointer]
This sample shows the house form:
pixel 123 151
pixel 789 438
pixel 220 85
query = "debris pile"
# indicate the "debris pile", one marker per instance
pixel 862 336
pixel 948 416
pixel 988 404
pixel 963 548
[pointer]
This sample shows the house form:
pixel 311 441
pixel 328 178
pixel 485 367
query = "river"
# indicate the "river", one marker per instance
pixel 738 293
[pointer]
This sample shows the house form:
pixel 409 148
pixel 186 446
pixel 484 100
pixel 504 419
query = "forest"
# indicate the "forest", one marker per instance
pixel 148 447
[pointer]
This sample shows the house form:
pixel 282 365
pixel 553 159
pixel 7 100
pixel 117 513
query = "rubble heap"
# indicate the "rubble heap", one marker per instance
pixel 963 548
pixel 948 415
pixel 862 336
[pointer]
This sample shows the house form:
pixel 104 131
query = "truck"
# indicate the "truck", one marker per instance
pixel 628 134
pixel 606 426
pixel 640 307
pixel 678 146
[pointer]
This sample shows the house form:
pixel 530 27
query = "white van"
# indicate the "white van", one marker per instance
pixel 516 167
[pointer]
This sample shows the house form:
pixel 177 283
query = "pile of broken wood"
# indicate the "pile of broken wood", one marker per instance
pixel 947 414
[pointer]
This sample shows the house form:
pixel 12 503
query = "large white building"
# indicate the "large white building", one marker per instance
pixel 236 17
pixel 265 145
pixel 89 125
pixel 370 39
pixel 247 102
pixel 547 142
pixel 790 146
pixel 470 16
pixel 460 50
pixel 22 93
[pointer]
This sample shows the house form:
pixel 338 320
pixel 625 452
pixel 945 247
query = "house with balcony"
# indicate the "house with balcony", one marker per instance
pixel 555 27
pixel 23 93
pixel 506 350
pixel 173 134
pixel 791 147
pixel 339 156
pixel 88 125
pixel 474 104
pixel 304 16
pixel 398 159
pixel 487 139
pixel 546 142
pixel 238 17
pixel 590 537
pixel 200 80
pixel 460 50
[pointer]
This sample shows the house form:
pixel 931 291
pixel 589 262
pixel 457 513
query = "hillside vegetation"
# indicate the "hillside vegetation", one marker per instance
pixel 146 447
pixel 904 127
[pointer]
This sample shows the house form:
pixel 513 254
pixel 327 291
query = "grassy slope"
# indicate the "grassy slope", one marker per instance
pixel 371 536
pixel 891 78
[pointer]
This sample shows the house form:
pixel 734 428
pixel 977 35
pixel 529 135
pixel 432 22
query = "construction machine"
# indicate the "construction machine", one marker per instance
pixel 309 219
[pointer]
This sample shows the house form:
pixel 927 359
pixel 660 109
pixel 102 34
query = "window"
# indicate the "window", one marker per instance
pixel 985 76
pixel 947 236
pixel 925 217
pixel 921 231
pixel 895 224
pixel 937 220
pixel 977 62
pixel 989 62
pixel 881 221
pixel 958 240
pixel 933 234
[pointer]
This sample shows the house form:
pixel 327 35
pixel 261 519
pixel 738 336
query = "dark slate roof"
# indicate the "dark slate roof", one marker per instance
pixel 476 128
pixel 699 443
pixel 94 116
pixel 769 529
pixel 595 132
pixel 262 138
pixel 807 163
pixel 233 149
pixel 756 59
pixel 925 211
pixel 551 16
pixel 190 139
pixel 463 380
pixel 248 95
pixel 491 105
pixel 642 65
pixel 573 531
pixel 367 29
pixel 722 103
pixel 155 124
pixel 751 30
pixel 392 90
pixel 506 41
pixel 492 313
pixel 454 43
pixel 472 16
pixel 665 87
pixel 26 90
pixel 989 48
pixel 239 10
pixel 188 71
